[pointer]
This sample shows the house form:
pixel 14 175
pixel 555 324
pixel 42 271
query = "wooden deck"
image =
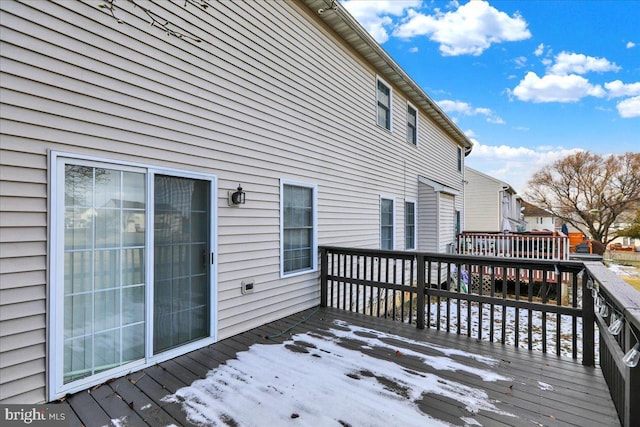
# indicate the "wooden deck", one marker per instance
pixel 541 390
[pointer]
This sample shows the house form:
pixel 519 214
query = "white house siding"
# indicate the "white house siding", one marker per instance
pixel 446 224
pixel 482 198
pixel 539 223
pixel 270 93
pixel 427 218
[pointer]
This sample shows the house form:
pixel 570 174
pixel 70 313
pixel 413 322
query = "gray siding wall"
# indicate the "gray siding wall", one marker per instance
pixel 269 93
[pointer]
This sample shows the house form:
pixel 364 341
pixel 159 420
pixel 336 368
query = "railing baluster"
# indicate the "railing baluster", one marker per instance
pixel 421 292
pixel 491 313
pixel 517 310
pixel 480 290
pixel 504 307
pixel 529 311
pixel 574 322
pixel 449 283
pixel 544 313
pixel 558 316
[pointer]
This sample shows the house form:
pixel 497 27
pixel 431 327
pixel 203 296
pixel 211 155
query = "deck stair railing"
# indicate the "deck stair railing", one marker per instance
pixel 475 296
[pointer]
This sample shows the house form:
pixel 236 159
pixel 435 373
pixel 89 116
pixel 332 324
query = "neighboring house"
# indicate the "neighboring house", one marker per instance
pixel 490 204
pixel 122 143
pixel 537 219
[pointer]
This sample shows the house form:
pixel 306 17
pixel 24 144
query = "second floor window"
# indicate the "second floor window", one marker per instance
pixel 384 105
pixel 459 159
pixel 412 125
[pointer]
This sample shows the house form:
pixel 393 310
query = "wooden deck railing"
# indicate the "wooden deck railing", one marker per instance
pixel 477 297
pixel 517 245
pixel 617 316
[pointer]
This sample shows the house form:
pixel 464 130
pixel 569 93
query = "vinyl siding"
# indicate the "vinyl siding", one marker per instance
pixel 427 219
pixel 446 224
pixel 482 202
pixel 269 93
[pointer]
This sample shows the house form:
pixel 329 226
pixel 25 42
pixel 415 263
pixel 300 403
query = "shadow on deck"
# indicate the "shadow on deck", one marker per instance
pixel 345 369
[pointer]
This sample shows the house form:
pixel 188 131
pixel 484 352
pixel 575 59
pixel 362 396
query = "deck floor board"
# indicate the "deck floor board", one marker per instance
pixel 580 396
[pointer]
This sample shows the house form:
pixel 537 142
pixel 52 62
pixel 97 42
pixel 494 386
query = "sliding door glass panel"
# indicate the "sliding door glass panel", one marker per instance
pixel 181 261
pixel 104 269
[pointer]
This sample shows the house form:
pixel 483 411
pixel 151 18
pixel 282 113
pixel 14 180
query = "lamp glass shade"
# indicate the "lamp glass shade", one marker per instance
pixel 616 325
pixel 632 357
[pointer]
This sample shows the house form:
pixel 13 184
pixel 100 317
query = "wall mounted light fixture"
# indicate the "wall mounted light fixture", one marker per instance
pixel 237 197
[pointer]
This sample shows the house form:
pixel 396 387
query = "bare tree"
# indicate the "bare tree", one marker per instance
pixel 589 191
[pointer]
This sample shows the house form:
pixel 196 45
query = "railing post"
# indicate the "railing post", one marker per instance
pixel 420 298
pixel 324 273
pixel 631 381
pixel 588 323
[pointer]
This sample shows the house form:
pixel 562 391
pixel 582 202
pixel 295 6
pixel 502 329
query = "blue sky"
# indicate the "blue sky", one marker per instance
pixel 529 81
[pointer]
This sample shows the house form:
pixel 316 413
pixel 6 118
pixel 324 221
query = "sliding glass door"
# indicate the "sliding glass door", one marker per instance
pixel 134 261
pixel 104 269
pixel 181 268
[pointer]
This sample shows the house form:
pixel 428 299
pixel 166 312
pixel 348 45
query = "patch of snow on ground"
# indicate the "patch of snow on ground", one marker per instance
pixel 545 386
pixel 147 406
pixel 623 270
pixel 329 384
pixel 468 422
pixel 119 422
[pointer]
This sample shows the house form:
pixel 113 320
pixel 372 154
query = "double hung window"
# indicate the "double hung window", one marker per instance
pixel 409 225
pixel 298 228
pixel 412 125
pixel 384 104
pixel 387 223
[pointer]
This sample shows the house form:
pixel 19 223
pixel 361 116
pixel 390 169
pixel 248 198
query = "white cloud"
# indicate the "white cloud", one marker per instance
pixel 617 89
pixel 414 49
pixel 464 108
pixel 376 15
pixel 567 63
pixel 555 88
pixel 539 50
pixel 520 61
pixel 630 45
pixel 483 26
pixel 516 164
pixel 629 107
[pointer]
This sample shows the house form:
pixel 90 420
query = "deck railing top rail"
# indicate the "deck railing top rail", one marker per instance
pixel 517 245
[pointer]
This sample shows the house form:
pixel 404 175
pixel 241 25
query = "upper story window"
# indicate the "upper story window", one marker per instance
pixel 298 222
pixel 387 222
pixel 412 125
pixel 459 159
pixel 384 104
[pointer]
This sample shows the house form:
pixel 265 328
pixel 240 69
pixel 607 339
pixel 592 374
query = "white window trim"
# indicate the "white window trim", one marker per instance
pixel 55 313
pixel 314 243
pixel 393 238
pixel 409 104
pixel 415 224
pixel 380 79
